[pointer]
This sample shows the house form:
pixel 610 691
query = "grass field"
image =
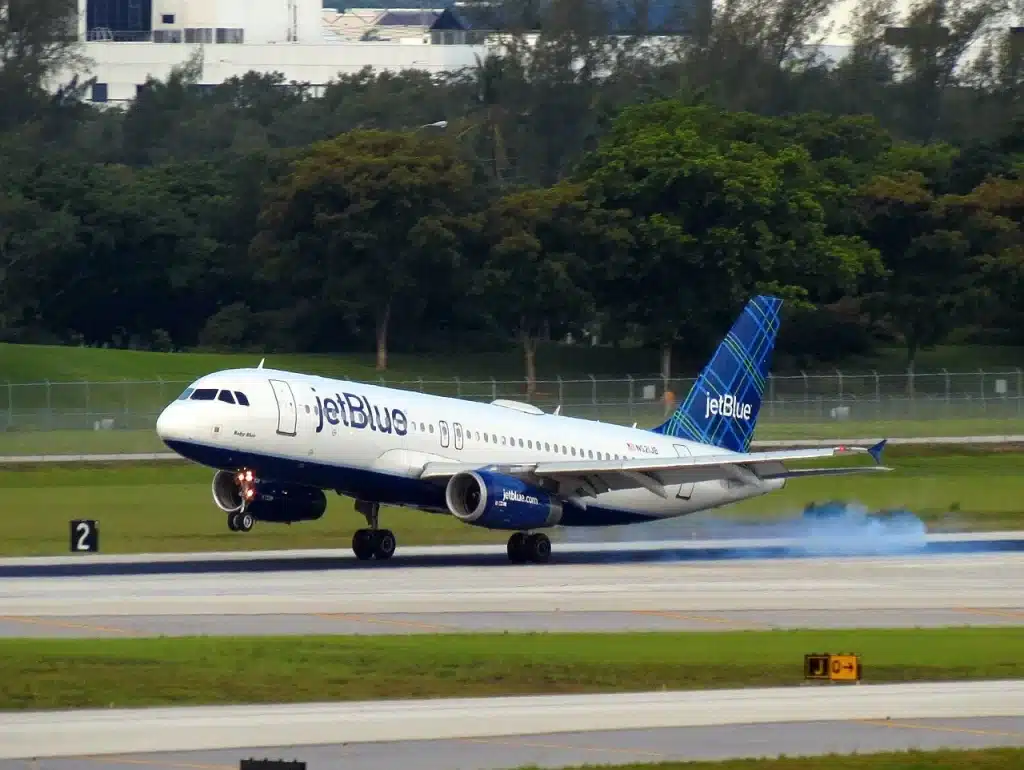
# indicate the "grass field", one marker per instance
pixel 977 759
pixel 58 442
pixel 165 507
pixel 37 363
pixel 218 670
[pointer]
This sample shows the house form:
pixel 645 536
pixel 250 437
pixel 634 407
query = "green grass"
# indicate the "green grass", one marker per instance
pixel 36 363
pixel 219 670
pixel 56 442
pixel 967 759
pixel 165 506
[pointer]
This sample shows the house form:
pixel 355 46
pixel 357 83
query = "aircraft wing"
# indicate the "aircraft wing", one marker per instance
pixel 586 478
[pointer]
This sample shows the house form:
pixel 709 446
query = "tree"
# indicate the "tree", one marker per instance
pixel 38 43
pixel 932 273
pixel 546 246
pixel 368 221
pixel 714 220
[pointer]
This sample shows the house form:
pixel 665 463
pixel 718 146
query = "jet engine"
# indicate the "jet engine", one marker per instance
pixel 496 501
pixel 267 500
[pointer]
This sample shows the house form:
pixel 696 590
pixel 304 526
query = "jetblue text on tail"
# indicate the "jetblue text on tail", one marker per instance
pixel 727 406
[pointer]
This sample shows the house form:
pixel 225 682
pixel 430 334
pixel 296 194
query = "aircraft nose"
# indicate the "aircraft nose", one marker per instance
pixel 172 424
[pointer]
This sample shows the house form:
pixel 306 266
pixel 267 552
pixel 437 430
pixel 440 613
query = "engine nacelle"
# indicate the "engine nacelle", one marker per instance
pixel 495 501
pixel 270 501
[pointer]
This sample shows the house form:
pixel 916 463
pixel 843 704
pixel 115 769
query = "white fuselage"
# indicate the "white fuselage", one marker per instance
pixel 372 442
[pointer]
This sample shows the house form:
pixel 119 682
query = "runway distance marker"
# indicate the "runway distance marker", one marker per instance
pixel 85 536
pixel 826 667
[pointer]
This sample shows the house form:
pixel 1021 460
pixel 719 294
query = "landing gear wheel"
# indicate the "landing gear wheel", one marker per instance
pixel 245 522
pixel 363 544
pixel 517 548
pixel 385 544
pixel 538 548
pixel 233 522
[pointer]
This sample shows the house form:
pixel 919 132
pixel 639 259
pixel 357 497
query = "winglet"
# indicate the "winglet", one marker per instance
pixel 261 363
pixel 876 451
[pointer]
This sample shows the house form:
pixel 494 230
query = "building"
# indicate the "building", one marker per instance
pixel 128 41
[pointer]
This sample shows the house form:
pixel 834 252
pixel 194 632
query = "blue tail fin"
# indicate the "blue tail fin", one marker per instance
pixel 721 408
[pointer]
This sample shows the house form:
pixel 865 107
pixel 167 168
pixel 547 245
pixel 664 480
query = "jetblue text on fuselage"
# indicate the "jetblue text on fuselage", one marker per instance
pixel 357 412
pixel 727 406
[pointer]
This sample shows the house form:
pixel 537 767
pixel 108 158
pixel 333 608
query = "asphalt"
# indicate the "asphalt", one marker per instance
pixel 652 587
pixel 615 747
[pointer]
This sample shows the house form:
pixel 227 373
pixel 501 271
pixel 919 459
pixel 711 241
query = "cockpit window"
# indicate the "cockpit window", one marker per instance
pixel 204 394
pixel 226 397
pixel 241 398
pixel 184 396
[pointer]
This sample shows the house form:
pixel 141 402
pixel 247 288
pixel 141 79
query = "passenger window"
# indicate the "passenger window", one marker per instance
pixel 494 438
pixel 307 408
pixel 574 451
pixel 478 436
pixel 204 394
pixel 590 454
pixel 184 396
pixel 503 440
pixel 485 438
pixel 241 398
pixel 431 427
pixel 423 428
pixel 529 444
pixel 520 443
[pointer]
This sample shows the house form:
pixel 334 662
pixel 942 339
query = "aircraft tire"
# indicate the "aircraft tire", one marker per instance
pixel 538 548
pixel 384 544
pixel 363 544
pixel 233 522
pixel 517 548
pixel 245 522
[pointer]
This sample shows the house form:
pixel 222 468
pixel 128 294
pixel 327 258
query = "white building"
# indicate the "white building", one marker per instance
pixel 127 41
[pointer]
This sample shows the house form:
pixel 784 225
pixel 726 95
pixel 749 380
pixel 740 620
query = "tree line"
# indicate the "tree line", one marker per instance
pixel 584 184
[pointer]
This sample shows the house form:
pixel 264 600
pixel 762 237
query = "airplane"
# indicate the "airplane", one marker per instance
pixel 278 439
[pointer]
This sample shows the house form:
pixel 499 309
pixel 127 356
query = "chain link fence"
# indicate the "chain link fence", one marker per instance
pixel 58 417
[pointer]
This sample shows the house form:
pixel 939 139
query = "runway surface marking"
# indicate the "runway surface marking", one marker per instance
pixel 897 724
pixel 530 744
pixel 703 619
pixel 51 622
pixel 167 763
pixel 1015 614
pixel 436 628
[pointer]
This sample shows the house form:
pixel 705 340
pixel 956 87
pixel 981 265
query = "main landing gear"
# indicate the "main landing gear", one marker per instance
pixel 240 522
pixel 373 542
pixel 523 548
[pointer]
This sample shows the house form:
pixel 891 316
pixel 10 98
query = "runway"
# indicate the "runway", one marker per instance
pixel 614 587
pixel 594 591
pixel 610 747
pixel 160 730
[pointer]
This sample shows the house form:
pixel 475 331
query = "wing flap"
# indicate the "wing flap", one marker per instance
pixel 589 478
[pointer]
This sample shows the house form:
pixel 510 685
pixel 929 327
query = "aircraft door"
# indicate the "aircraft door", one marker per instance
pixel 445 434
pixel 683 491
pixel 458 435
pixel 287 412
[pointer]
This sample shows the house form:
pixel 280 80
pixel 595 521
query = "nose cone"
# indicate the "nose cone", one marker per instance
pixel 174 424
